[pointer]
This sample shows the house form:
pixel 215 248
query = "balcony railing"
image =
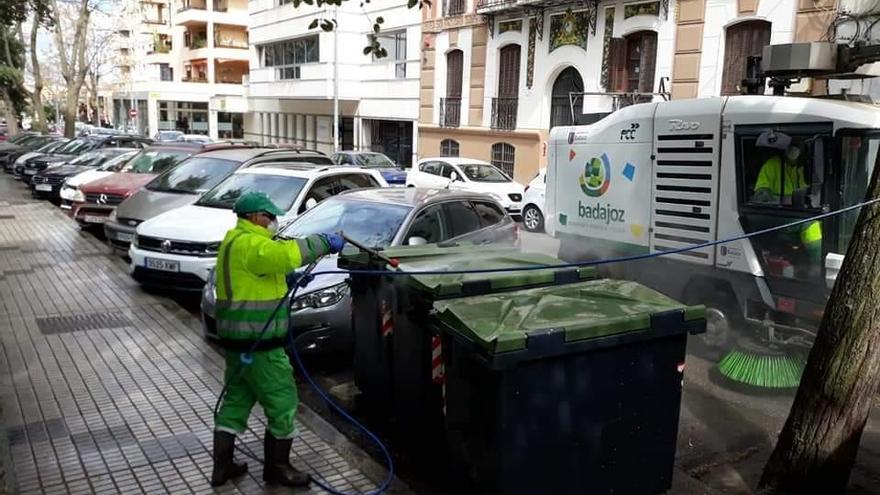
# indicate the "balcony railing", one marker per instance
pixel 195 79
pixel 456 7
pixel 222 42
pixel 504 113
pixel 187 5
pixel 450 112
pixel 483 5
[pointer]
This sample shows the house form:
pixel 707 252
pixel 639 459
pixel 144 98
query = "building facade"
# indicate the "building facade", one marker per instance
pixel 499 74
pixel 182 65
pixel 300 73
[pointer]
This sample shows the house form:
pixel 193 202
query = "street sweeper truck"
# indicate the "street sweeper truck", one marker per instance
pixel 659 177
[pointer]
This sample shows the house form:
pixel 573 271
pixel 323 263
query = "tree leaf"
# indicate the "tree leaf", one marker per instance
pixel 313 24
pixel 368 50
pixel 327 26
pixel 376 28
pixel 380 20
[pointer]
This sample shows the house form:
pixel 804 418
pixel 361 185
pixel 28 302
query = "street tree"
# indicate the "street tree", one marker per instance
pixel 819 442
pixel 70 27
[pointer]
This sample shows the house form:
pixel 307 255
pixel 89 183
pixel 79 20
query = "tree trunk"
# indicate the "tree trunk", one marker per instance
pixel 11 117
pixel 818 445
pixel 37 94
pixel 74 67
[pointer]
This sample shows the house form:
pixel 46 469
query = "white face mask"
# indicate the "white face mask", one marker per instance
pixel 273 226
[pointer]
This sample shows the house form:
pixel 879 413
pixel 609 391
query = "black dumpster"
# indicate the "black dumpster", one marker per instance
pixel 569 389
pixel 394 351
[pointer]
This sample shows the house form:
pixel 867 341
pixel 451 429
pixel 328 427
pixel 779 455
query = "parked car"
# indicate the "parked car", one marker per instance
pixel 394 175
pixel 379 218
pixel 167 136
pixel 70 188
pixel 194 138
pixel 48 148
pixel 87 144
pixel 102 195
pixel 185 183
pixel 48 183
pixel 533 203
pixel 177 249
pixel 467 174
pixel 26 145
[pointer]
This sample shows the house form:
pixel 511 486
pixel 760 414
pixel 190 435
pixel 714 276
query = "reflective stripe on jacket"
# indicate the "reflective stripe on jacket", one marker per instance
pixel 251 269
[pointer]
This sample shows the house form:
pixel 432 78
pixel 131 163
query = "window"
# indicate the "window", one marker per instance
pixel 641 57
pixel 742 40
pixel 372 224
pixel 356 181
pixel 194 176
pixel 859 152
pixel 287 56
pixel 489 214
pixel 432 168
pixel 166 73
pixel 569 81
pixel 503 157
pixel 454 71
pixel 461 218
pixel 428 225
pixel 395 44
pixel 448 147
pixel 282 190
pixel 322 189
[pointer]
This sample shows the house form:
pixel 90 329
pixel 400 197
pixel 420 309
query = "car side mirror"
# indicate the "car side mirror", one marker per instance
pixel 311 203
pixel 453 177
pixel 416 241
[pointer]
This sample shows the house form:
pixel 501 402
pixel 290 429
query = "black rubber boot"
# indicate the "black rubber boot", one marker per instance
pixel 225 467
pixel 277 468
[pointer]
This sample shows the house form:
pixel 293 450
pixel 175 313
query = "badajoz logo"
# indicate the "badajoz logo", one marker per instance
pixel 596 178
pixel 595 181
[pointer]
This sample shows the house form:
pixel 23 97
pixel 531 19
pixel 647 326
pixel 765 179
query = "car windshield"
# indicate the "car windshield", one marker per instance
pixel 117 163
pixel 193 176
pixel 371 224
pixel 50 147
pixel 483 173
pixel 154 161
pixel 73 146
pixel 373 160
pixel 91 158
pixel 169 135
pixel 282 190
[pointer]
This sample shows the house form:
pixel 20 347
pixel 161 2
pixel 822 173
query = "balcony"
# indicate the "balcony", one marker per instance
pixel 450 112
pixel 220 6
pixel 195 79
pixel 490 6
pixel 226 37
pixel 504 113
pixel 192 5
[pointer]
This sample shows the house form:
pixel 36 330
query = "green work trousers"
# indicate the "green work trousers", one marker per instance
pixel 267 380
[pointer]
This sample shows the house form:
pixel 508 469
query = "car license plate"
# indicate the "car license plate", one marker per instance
pixel 163 265
pixel 43 187
pixel 124 236
pixel 94 219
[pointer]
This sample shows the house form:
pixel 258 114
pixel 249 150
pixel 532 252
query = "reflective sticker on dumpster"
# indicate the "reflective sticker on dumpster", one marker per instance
pixel 387 326
pixel 438 373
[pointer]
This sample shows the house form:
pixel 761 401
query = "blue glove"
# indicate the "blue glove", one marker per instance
pixel 335 242
pixel 297 278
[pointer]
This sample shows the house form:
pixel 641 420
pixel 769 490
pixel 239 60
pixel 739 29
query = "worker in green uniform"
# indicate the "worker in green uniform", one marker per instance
pixel 251 281
pixel 776 184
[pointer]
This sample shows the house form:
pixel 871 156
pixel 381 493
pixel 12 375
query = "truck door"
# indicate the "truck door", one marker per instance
pixel 684 200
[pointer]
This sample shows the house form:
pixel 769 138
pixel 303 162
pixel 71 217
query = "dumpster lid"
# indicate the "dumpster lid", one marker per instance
pixel 505 322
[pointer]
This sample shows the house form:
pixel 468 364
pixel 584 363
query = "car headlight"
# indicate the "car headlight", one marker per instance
pixel 210 290
pixel 134 241
pixel 320 298
pixel 212 248
pixel 112 216
pixel 79 196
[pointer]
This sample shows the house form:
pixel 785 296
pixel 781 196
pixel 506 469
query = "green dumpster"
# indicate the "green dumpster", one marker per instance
pixel 393 345
pixel 566 389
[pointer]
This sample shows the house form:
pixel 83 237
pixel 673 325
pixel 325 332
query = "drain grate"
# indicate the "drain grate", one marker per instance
pixel 7 217
pixel 93 321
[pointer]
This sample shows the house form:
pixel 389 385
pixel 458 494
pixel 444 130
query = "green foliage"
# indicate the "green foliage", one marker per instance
pixel 13 12
pixel 12 81
pixel 326 24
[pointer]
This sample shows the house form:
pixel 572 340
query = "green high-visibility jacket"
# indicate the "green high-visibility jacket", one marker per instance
pixel 771 177
pixel 251 269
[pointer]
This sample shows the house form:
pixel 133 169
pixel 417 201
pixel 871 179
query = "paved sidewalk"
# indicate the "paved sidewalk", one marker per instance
pixel 107 389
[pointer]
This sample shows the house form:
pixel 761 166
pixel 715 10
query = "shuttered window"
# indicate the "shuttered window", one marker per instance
pixel 633 62
pixel 618 65
pixel 503 157
pixel 454 69
pixel 742 40
pixel 508 72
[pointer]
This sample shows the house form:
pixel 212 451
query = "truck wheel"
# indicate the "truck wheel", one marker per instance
pixel 722 322
pixel 533 220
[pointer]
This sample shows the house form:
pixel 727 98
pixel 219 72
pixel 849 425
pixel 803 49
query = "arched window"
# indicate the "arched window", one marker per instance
pixel 450 107
pixel 449 147
pixel 503 157
pixel 742 40
pixel 568 81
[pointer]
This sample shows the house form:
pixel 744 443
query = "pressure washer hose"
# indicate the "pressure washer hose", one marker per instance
pixel 307 273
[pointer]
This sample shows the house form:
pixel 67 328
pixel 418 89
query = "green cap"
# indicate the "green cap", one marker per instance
pixel 255 202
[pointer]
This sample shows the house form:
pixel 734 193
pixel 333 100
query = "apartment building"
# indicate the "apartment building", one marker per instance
pixel 182 64
pixel 499 74
pixel 298 75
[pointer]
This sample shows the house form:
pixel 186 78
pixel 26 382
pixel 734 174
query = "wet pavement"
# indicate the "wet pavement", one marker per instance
pixel 105 388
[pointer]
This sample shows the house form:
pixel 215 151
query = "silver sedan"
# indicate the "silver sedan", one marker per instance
pixel 379 218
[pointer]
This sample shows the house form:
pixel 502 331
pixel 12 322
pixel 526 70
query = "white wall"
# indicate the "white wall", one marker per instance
pixel 721 14
pixel 535 102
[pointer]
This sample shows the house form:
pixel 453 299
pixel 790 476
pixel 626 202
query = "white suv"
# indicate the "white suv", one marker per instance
pixel 467 174
pixel 178 249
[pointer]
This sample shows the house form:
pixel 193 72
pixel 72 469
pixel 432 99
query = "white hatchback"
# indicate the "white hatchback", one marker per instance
pixel 178 249
pixel 533 203
pixel 467 174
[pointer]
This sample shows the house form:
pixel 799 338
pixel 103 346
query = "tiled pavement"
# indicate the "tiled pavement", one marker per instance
pixel 107 389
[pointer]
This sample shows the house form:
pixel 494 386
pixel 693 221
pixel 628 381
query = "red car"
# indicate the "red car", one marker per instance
pixel 102 195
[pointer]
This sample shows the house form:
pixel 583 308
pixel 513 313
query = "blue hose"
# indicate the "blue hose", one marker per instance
pixel 307 272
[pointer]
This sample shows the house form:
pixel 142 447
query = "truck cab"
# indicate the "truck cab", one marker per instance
pixel 676 177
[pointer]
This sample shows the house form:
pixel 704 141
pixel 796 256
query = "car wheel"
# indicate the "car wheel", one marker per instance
pixel 533 219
